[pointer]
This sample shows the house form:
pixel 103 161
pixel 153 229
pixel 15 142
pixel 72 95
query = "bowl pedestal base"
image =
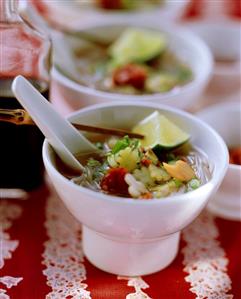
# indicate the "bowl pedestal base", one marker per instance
pixel 129 257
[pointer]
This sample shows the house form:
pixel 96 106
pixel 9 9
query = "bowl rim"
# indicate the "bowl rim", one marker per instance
pixel 181 31
pixel 167 6
pixel 208 187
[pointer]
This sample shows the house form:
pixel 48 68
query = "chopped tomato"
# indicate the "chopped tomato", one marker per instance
pixel 235 155
pixel 146 162
pixel 110 4
pixel 147 196
pixel 130 74
pixel 114 181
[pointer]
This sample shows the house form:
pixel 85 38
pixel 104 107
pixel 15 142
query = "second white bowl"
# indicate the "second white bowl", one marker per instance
pixel 185 45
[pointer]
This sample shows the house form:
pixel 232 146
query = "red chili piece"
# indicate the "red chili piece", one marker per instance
pixel 110 4
pixel 130 74
pixel 146 162
pixel 235 155
pixel 114 181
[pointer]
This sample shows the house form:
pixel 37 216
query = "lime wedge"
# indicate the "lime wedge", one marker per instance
pixel 160 132
pixel 137 45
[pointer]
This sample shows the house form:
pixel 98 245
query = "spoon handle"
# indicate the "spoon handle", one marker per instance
pixel 64 138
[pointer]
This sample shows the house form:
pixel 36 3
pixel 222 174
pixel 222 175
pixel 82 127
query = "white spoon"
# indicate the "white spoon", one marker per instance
pixel 64 138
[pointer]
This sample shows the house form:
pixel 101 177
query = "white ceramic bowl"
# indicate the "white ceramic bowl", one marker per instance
pixel 73 15
pixel 135 237
pixel 183 43
pixel 226 120
pixel 224 40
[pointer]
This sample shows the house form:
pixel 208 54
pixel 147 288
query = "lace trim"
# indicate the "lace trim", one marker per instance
pixel 204 260
pixel 8 213
pixel 138 284
pixel 63 254
pixel 3 295
pixel 10 281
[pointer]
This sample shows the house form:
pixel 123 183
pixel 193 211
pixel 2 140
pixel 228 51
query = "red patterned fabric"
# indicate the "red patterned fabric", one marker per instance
pixel 30 231
pixel 169 284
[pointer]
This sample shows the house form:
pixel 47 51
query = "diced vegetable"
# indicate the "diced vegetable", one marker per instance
pixel 158 173
pixel 136 189
pixel 128 158
pixel 193 184
pixel 143 175
pixel 161 82
pixel 180 170
pixel 165 189
pixel 150 155
pixel 125 153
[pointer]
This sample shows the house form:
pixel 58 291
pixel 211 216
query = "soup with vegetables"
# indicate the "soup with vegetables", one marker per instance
pixel 163 164
pixel 139 61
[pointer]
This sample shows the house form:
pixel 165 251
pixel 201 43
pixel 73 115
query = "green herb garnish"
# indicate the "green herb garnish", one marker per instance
pixel 121 144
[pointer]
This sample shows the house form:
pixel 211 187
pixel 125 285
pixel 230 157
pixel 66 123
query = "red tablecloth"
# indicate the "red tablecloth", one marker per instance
pixel 42 217
pixel 35 260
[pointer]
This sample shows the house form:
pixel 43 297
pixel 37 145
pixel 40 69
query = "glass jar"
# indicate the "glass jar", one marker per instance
pixel 24 51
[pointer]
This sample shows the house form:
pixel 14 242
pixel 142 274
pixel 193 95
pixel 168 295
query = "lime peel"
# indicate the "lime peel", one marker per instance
pixel 160 133
pixel 137 45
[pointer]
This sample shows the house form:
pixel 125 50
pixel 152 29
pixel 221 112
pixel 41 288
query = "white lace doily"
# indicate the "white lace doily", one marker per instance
pixel 139 285
pixel 8 213
pixel 63 255
pixel 205 260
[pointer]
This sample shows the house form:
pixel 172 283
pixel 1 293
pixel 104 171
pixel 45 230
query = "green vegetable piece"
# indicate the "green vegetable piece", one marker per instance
pixel 158 174
pixel 99 145
pixel 178 183
pixel 143 175
pixel 161 82
pixel 194 184
pixel 93 163
pixel 165 189
pixel 184 74
pixel 137 45
pixel 121 144
pixel 94 170
pixel 128 4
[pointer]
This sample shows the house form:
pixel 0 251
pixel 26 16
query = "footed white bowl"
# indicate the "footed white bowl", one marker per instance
pixel 132 237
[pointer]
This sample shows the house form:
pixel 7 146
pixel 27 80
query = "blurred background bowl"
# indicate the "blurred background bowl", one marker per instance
pixel 224 40
pixel 79 14
pixel 226 120
pixel 186 46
